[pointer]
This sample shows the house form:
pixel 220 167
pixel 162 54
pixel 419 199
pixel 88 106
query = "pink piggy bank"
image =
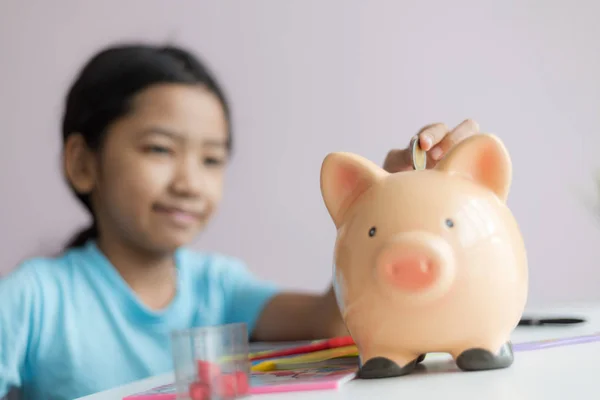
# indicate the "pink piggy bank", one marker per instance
pixel 427 261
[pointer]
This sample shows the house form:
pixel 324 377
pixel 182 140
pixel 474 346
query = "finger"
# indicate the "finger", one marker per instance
pixel 431 135
pixel 464 130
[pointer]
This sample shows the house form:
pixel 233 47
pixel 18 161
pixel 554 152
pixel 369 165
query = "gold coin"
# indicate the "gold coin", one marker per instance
pixel 419 156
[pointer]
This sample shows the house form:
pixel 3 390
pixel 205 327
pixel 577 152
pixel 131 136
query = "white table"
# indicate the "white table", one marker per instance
pixel 560 373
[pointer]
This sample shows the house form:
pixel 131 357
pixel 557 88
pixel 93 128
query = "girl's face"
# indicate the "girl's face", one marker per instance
pixel 159 175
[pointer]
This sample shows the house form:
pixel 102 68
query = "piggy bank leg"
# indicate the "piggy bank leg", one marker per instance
pixel 382 367
pixel 479 359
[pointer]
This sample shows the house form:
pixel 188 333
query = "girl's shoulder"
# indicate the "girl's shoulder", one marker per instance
pixel 53 275
pixel 35 269
pixel 32 290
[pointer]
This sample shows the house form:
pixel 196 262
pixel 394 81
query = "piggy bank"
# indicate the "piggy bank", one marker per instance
pixel 427 261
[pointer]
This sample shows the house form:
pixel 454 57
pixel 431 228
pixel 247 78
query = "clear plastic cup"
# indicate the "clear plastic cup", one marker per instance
pixel 211 363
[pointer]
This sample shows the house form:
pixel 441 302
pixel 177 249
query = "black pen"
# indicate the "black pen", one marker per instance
pixel 550 321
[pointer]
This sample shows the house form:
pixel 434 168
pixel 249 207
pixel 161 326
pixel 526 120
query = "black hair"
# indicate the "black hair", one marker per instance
pixel 105 87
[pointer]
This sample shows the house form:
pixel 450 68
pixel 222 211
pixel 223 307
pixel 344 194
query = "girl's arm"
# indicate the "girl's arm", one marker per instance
pixel 272 314
pixel 297 316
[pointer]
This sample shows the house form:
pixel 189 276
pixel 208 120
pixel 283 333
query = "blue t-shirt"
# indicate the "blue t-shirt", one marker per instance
pixel 71 326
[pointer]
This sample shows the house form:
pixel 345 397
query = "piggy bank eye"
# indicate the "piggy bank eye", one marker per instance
pixel 449 223
pixel 372 231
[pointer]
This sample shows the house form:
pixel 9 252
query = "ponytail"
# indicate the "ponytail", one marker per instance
pixel 83 236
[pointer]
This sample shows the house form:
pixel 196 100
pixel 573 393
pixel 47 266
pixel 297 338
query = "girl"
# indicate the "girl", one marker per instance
pixel 146 137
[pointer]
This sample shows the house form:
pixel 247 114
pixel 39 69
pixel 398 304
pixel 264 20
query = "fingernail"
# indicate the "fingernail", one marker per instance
pixel 436 153
pixel 425 142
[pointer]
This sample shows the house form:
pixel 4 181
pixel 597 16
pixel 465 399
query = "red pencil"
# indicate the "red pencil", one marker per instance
pixel 316 346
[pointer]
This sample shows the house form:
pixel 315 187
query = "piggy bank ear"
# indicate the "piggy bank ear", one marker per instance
pixel 344 178
pixel 483 159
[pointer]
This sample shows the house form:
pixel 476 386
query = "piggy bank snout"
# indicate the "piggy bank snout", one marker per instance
pixel 410 270
pixel 416 262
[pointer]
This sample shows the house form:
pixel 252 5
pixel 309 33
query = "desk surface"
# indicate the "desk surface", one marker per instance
pixel 553 373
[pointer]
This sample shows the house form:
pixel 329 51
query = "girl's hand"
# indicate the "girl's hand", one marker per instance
pixel 436 140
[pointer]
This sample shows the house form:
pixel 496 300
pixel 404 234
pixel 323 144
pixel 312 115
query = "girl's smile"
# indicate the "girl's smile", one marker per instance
pixel 180 216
